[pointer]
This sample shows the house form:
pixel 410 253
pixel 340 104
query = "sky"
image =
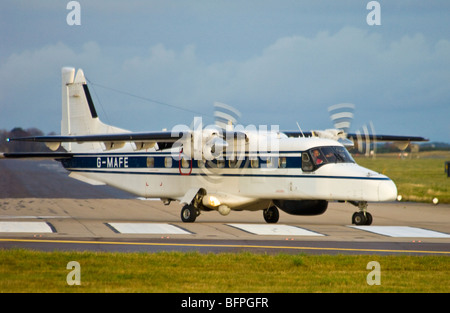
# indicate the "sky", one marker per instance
pixel 152 65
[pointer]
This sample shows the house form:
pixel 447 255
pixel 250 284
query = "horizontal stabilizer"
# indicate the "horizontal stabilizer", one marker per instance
pixel 35 155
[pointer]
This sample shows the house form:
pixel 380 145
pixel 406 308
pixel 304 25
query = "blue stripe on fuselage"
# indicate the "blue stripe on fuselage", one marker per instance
pixel 128 163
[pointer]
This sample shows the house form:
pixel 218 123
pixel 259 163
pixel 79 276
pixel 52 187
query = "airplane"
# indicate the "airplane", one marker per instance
pixel 224 169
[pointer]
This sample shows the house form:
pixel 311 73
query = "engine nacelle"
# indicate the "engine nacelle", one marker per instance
pixel 302 207
pixel 206 144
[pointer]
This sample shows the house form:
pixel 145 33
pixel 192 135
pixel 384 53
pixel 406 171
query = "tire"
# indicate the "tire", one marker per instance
pixel 369 218
pixel 188 214
pixel 271 215
pixel 359 218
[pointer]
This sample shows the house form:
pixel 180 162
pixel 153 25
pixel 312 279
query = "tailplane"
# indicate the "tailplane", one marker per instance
pixel 79 116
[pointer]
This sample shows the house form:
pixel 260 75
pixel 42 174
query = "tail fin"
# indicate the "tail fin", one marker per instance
pixel 79 116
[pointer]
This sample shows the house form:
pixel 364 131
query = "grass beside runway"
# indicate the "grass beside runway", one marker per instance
pixel 419 178
pixel 192 272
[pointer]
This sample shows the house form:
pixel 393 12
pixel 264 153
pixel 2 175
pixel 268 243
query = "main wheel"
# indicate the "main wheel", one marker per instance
pixel 271 215
pixel 188 214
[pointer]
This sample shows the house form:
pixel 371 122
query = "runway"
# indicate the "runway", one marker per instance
pixel 42 208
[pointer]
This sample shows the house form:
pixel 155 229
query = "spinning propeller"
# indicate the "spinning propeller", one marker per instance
pixel 342 115
pixel 365 138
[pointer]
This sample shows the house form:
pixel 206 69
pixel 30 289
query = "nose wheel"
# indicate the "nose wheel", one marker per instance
pixel 362 217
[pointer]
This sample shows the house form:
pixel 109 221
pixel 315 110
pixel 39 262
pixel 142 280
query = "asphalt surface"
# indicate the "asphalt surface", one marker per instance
pixel 82 217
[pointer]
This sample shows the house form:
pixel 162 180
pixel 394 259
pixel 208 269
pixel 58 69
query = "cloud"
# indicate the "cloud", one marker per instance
pixel 293 79
pixel 165 71
pixel 31 82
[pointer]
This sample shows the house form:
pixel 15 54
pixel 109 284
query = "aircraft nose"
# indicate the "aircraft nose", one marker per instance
pixel 387 191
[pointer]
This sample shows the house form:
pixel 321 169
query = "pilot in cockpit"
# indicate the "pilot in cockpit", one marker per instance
pixel 317 157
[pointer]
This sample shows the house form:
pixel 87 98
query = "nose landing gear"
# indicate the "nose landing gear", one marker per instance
pixel 362 217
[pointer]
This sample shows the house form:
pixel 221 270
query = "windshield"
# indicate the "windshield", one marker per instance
pixel 325 155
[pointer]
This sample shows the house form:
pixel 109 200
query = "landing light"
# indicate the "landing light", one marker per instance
pixel 213 201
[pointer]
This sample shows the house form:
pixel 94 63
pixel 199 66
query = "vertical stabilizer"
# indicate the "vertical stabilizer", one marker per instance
pixel 79 116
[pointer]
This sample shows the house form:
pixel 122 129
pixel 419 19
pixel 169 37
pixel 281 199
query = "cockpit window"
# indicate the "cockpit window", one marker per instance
pixel 344 155
pixel 325 155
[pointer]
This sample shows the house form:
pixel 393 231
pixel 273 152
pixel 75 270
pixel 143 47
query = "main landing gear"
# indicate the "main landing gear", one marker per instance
pixel 189 213
pixel 362 217
pixel 271 215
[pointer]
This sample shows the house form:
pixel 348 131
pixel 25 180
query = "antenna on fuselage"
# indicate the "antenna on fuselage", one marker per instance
pixel 298 125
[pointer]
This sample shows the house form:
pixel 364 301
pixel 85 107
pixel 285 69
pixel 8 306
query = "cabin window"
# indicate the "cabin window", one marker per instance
pixel 232 163
pixel 168 162
pixel 201 163
pixel 306 162
pixel 185 163
pixel 270 162
pixel 255 162
pixel 150 162
pixel 220 163
pixel 282 162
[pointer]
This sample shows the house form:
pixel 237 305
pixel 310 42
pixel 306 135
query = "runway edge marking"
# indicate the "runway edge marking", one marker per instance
pixel 148 228
pixel 402 231
pixel 26 227
pixel 277 230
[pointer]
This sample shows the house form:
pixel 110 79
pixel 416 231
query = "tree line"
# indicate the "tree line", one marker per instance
pixel 21 146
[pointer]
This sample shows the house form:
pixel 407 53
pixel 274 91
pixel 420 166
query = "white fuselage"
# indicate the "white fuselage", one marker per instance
pixel 257 177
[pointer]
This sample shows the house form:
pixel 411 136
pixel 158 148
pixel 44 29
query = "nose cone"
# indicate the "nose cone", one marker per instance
pixel 387 191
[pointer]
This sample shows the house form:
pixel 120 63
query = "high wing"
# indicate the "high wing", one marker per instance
pixel 338 134
pixel 166 139
pixel 163 136
pixel 142 140
pixel 386 137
